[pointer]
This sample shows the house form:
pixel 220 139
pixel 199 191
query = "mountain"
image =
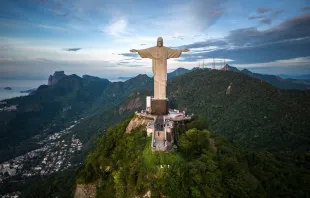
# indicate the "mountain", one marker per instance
pixel 274 80
pixel 256 114
pixel 29 90
pixel 252 142
pixel 53 79
pixel 71 98
pixel 49 105
pixel 268 127
pixel 204 165
pixel 179 71
pixel 260 134
pixel 229 68
pixel 307 76
pixel 278 81
pixel 88 77
pixel 304 77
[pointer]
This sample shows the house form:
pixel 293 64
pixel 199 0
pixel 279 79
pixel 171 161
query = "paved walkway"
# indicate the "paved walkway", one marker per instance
pixel 159 133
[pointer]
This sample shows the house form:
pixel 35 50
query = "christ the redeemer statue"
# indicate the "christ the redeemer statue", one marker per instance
pixel 159 55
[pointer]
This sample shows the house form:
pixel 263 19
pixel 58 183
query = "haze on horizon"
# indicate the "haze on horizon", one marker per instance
pixel 94 37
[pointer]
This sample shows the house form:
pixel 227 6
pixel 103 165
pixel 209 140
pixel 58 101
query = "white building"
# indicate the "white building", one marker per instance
pixel 148 104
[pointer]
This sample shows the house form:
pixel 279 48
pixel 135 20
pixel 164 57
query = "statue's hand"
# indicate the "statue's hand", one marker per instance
pixel 133 50
pixel 185 50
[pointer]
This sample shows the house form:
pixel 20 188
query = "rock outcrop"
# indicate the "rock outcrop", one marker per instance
pixel 228 90
pixel 136 122
pixel 53 79
pixel 85 191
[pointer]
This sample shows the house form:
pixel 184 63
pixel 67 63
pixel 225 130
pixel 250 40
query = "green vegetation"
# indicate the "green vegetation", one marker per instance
pixel 50 105
pixel 259 145
pixel 71 98
pixel 58 185
pixel 204 165
pixel 255 115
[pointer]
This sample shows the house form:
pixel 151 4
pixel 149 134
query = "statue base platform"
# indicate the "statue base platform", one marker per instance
pixel 159 107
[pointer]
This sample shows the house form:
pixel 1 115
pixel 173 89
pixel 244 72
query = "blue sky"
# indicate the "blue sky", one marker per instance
pixel 38 37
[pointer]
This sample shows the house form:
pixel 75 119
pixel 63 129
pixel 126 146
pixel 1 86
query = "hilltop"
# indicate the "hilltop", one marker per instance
pixel 254 115
pixel 204 165
pixel 179 71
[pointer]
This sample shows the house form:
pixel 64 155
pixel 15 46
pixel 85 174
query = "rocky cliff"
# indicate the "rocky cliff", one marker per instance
pixel 53 79
pixel 136 122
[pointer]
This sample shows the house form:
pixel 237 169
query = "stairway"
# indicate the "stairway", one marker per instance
pixel 159 133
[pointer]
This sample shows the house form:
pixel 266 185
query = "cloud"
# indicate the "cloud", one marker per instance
pixel 72 49
pixel 26 68
pixel 249 45
pixel 124 62
pixel 210 42
pixel 130 54
pixel 266 21
pixel 44 60
pixel 300 61
pixel 306 8
pixel 257 54
pixel 293 28
pixel 136 65
pixel 6 60
pixel 116 28
pixel 256 17
pixel 262 10
pixel 277 13
pixel 178 37
pixel 63 14
pixel 300 65
pixel 206 12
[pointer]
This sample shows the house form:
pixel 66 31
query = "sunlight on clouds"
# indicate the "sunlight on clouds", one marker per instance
pixel 301 61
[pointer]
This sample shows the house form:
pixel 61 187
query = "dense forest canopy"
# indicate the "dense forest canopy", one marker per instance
pixel 204 165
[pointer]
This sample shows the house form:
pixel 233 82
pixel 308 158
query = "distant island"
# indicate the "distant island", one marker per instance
pixel 29 90
pixel 8 88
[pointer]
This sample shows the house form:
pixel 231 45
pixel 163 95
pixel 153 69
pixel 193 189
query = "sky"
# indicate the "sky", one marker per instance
pixel 38 37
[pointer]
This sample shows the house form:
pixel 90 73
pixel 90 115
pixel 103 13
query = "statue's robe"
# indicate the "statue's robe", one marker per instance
pixel 159 56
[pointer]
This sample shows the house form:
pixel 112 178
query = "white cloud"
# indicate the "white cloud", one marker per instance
pixel 301 61
pixel 116 28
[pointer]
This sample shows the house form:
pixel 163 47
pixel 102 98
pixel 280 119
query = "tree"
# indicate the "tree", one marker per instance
pixel 194 141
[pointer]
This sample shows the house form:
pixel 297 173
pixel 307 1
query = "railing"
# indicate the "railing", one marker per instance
pixel 144 115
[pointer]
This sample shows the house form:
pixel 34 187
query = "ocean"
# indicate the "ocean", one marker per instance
pixel 17 86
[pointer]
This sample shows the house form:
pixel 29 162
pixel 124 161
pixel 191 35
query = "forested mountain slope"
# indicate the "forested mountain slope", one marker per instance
pixel 254 114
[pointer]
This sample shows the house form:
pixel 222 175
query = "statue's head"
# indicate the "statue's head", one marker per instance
pixel 160 42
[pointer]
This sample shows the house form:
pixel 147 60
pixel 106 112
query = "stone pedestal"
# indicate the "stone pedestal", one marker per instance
pixel 159 107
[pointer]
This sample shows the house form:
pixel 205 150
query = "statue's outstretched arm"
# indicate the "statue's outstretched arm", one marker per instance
pixel 144 53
